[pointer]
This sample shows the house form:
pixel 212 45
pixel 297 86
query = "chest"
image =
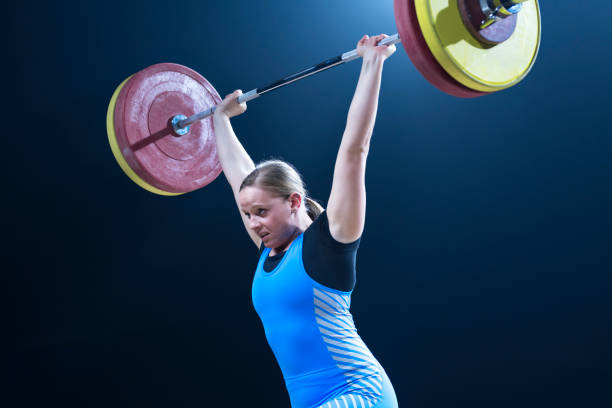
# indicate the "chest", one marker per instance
pixel 285 292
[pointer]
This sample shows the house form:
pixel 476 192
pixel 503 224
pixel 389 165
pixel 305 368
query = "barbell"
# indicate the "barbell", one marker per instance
pixel 158 120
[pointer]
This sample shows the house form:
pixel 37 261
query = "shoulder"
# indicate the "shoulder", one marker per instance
pixel 319 230
pixel 327 261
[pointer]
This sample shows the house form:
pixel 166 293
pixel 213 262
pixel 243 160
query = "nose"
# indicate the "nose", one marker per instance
pixel 254 223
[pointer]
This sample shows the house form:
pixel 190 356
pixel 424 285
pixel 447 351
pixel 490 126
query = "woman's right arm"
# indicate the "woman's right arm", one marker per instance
pixel 235 161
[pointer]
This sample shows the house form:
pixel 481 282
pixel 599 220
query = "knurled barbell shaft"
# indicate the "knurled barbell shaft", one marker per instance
pixel 322 66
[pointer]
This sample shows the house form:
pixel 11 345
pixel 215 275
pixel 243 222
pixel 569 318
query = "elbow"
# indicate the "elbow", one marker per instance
pixel 359 147
pixel 358 151
pixel 356 143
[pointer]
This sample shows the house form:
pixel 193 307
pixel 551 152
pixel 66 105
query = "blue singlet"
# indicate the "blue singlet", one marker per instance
pixel 310 330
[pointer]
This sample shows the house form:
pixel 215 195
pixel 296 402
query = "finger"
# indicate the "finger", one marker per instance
pixel 379 38
pixel 232 96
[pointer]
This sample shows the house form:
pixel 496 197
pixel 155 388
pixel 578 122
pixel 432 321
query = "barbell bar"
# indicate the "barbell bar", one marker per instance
pixel 179 124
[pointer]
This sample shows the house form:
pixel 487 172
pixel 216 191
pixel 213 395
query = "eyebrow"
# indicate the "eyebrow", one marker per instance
pixel 253 206
pixel 258 205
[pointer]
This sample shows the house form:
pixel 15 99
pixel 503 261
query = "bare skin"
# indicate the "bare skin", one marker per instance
pixel 277 221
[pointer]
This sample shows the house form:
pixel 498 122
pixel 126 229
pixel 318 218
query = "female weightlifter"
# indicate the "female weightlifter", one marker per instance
pixel 306 270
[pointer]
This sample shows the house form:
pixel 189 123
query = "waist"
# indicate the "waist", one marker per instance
pixel 312 388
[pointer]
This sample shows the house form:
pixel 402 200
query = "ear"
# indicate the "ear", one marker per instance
pixel 295 200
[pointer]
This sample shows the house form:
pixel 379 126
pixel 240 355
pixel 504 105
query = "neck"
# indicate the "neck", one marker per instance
pixel 303 222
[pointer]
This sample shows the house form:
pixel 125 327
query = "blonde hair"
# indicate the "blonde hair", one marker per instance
pixel 281 179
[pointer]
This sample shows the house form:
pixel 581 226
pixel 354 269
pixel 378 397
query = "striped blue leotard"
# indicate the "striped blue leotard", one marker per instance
pixel 312 334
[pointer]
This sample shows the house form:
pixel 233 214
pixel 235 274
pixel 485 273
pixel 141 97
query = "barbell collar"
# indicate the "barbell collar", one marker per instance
pixel 497 10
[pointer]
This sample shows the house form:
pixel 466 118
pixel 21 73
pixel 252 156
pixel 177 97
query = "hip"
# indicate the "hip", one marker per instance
pixel 331 388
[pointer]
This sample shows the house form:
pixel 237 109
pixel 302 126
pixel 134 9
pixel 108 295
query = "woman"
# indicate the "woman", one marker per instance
pixel 306 271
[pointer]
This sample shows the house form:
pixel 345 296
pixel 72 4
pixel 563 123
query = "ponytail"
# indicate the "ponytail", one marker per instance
pixel 313 208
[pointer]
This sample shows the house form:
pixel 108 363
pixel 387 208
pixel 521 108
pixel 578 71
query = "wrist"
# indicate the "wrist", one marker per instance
pixel 374 57
pixel 372 63
pixel 220 115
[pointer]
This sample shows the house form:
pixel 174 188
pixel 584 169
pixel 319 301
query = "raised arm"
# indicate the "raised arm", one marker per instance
pixel 347 200
pixel 236 162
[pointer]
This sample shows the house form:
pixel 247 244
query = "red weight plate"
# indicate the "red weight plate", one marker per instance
pixel 422 58
pixel 146 104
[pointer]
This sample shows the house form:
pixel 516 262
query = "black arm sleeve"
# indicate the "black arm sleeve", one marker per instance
pixel 327 261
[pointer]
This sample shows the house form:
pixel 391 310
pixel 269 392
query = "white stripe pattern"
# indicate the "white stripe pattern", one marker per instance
pixel 360 368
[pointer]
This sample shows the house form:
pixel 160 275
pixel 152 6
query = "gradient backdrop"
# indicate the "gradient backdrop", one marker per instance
pixel 484 274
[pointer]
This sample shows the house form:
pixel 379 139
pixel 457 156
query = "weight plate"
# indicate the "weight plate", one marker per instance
pixel 477 66
pixel 145 146
pixel 417 49
pixel 112 139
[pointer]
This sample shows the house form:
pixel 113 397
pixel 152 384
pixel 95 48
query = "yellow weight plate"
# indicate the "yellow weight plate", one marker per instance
pixel 112 139
pixel 474 65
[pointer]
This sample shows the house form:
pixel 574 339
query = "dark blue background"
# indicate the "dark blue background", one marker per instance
pixel 484 270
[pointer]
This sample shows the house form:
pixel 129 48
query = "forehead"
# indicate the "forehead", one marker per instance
pixel 252 196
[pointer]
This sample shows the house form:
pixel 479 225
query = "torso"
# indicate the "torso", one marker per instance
pixel 308 324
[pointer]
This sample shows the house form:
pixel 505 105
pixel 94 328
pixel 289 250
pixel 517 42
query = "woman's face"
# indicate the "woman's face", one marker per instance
pixel 270 217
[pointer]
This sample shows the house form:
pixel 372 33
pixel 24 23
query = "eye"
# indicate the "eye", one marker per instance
pixel 261 211
pixel 246 214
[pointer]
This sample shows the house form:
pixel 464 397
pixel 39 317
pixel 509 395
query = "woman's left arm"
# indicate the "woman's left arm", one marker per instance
pixel 347 200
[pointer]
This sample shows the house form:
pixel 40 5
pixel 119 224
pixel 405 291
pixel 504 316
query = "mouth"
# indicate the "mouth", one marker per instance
pixel 264 235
